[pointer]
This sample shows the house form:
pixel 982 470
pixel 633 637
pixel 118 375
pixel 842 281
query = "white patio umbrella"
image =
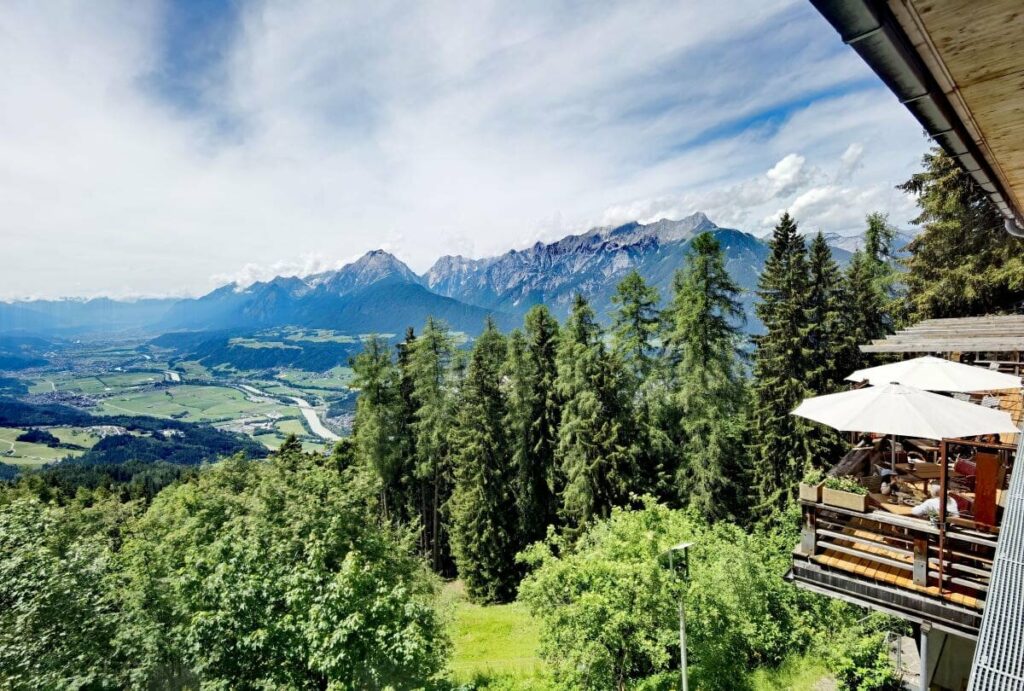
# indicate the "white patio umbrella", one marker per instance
pixel 937 374
pixel 904 411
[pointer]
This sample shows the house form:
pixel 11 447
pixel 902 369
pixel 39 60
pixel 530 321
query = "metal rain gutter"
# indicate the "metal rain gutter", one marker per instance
pixel 871 30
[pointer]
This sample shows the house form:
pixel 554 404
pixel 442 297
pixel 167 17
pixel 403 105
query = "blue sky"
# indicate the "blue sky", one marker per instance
pixel 163 148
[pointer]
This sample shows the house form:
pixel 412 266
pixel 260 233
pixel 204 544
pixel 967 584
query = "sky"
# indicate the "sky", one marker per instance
pixel 165 148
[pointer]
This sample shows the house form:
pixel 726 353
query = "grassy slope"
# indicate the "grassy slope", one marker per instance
pixel 796 674
pixel 495 639
pixel 501 641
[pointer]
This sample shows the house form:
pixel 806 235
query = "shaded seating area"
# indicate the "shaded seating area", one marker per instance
pixel 908 520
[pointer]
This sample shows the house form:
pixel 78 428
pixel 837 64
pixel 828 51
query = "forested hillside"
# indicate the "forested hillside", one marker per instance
pixel 552 464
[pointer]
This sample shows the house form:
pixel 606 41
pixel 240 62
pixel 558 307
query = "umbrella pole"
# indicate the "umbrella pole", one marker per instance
pixel 892 449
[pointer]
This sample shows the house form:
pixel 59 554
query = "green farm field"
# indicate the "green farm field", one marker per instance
pixel 191 403
pixel 336 378
pixel 27 454
pixel 95 384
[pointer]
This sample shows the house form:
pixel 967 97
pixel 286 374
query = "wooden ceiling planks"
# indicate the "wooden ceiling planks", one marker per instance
pixel 974 50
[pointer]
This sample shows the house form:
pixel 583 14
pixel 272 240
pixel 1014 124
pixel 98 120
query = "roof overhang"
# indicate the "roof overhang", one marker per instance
pixel 958 67
pixel 988 334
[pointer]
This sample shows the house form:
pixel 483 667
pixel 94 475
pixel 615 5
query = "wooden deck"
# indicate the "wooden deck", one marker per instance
pixel 895 553
pixel 868 555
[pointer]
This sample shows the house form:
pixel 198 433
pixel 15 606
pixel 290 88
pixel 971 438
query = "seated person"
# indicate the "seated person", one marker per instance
pixel 932 505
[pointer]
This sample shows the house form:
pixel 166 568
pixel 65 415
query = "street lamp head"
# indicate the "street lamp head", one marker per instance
pixel 677 558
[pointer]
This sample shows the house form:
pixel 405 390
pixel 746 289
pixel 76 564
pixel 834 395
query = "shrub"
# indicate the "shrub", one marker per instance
pixel 608 607
pixel 275 574
pixel 846 484
pixel 813 477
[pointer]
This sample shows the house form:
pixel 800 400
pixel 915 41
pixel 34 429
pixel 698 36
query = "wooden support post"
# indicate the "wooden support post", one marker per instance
pixel 921 561
pixel 943 481
pixel 808 534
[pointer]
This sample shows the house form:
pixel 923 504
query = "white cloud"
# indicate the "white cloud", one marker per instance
pixel 850 161
pixel 334 128
pixel 304 266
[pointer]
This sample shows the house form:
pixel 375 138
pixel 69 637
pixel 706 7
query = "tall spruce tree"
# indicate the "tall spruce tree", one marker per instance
pixel 865 312
pixel 405 435
pixel 482 507
pixel 827 337
pixel 963 263
pixel 635 324
pixel 829 348
pixel 377 421
pixel 594 449
pixel 780 449
pixel 709 394
pixel 432 391
pixel 533 418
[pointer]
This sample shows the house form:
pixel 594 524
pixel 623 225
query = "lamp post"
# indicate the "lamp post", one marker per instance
pixel 678 554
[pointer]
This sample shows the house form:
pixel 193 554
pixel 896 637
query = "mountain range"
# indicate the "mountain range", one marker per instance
pixel 379 293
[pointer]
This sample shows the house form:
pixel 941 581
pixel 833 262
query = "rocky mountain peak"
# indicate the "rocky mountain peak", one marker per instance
pixel 373 267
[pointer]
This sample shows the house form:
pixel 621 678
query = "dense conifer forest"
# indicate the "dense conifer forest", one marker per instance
pixel 552 465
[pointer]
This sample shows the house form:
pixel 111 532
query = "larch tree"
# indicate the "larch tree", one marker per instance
pixel 432 392
pixel 865 315
pixel 377 422
pixel 635 324
pixel 780 451
pixel 636 327
pixel 594 449
pixel 879 237
pixel 482 508
pixel 963 263
pixel 709 394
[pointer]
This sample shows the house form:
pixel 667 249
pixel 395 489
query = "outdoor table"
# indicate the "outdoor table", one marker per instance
pixel 925 446
pixel 922 471
pixel 884 503
pixel 911 481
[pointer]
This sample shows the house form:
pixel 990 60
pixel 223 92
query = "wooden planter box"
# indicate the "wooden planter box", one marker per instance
pixel 810 492
pixel 844 500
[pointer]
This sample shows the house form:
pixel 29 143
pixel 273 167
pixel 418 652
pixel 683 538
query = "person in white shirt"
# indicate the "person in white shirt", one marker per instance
pixel 929 506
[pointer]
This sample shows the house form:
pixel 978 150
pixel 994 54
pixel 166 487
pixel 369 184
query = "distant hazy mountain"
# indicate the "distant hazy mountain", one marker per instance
pixel 376 293
pixel 592 263
pixel 852 243
pixel 77 316
pixel 379 293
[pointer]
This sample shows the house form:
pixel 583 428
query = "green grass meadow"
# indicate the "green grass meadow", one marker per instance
pixel 493 640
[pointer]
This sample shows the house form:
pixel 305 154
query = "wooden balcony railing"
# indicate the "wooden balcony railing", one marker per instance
pixel 895 563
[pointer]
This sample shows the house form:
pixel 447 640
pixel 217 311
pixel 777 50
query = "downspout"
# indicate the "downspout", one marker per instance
pixel 1013 227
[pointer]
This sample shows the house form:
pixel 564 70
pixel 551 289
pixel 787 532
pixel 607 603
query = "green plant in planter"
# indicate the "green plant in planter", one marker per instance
pixel 845 484
pixel 813 477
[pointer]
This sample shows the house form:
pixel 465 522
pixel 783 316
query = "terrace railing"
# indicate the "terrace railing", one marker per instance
pixel 895 563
